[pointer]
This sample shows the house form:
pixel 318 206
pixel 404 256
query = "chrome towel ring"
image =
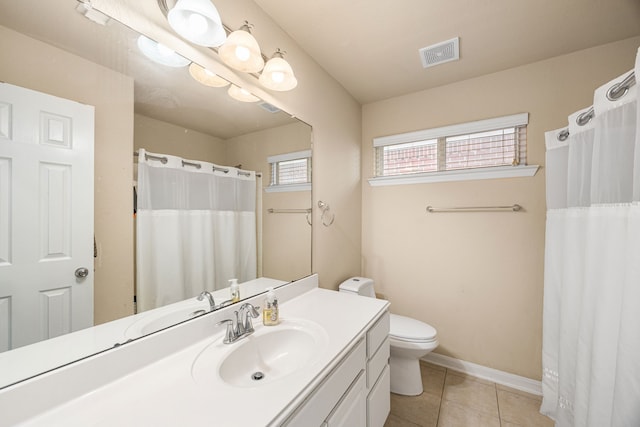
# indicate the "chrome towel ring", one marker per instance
pixel 326 217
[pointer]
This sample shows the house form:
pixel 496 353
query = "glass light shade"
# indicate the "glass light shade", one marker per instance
pixel 197 21
pixel 241 95
pixel 160 53
pixel 278 75
pixel 241 52
pixel 206 77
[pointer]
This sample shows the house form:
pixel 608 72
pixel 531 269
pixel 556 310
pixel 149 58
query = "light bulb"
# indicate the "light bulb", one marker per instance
pixel 197 21
pixel 209 73
pixel 277 76
pixel 164 51
pixel 198 24
pixel 243 53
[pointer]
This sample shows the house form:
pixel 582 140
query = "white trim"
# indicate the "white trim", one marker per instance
pixel 287 187
pixel 499 377
pixel 457 175
pixel 289 156
pixel 453 130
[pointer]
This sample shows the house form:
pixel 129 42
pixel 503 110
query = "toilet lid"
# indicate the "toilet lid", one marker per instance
pixel 408 329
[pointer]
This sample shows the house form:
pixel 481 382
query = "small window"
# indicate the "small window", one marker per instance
pixel 501 147
pixel 407 158
pixel 290 171
pixel 483 144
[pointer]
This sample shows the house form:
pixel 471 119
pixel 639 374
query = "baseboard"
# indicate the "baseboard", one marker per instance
pixel 499 377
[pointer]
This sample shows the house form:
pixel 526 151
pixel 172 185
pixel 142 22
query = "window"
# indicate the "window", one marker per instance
pixel 454 152
pixel 290 171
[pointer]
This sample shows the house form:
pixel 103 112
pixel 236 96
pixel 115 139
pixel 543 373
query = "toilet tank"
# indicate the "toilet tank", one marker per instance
pixel 358 285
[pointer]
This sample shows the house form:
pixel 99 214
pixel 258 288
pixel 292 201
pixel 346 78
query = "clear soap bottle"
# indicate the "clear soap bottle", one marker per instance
pixel 270 313
pixel 235 290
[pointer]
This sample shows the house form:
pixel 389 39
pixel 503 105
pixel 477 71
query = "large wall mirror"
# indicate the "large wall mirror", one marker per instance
pixel 173 115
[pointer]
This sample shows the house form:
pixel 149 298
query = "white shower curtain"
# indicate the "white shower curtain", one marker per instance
pixel 591 342
pixel 195 228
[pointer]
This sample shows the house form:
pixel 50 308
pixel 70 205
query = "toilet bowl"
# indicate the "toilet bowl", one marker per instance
pixel 409 340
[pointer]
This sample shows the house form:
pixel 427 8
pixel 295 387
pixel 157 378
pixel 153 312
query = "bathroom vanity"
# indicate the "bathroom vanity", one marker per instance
pixel 325 364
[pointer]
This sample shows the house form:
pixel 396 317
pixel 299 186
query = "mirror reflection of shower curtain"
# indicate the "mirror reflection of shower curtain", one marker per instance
pixel 196 228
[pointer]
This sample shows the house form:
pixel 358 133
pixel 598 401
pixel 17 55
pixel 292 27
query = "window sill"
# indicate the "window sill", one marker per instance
pixel 287 188
pixel 457 175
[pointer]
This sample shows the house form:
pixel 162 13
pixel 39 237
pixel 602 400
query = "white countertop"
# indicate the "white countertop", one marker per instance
pixel 165 393
pixel 27 361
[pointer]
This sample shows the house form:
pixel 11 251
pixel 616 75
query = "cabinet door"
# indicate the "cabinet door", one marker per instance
pixel 352 409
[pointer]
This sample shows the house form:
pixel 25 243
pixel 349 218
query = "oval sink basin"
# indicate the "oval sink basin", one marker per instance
pixel 161 318
pixel 269 354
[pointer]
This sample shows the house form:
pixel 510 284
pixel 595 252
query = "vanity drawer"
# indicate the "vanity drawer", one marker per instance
pixel 326 396
pixel 379 400
pixel 377 334
pixel 376 364
pixel 352 409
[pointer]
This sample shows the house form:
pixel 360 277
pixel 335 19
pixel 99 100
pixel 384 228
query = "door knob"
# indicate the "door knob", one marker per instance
pixel 82 272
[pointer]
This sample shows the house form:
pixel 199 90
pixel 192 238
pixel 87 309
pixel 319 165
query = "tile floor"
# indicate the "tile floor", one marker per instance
pixel 453 399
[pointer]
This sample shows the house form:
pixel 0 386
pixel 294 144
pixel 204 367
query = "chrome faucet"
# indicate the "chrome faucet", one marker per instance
pixel 243 326
pixel 203 294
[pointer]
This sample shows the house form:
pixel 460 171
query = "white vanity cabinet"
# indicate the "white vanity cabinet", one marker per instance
pixel 378 380
pixel 357 391
pixel 151 381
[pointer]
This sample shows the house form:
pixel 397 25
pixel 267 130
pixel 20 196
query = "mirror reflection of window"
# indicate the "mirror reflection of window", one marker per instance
pixel 290 171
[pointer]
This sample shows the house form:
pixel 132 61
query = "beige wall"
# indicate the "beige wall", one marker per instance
pixel 286 238
pixel 476 277
pixel 162 137
pixel 29 63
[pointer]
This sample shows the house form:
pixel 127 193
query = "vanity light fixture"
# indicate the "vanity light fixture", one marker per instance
pixel 206 77
pixel 240 94
pixel 197 21
pixel 86 9
pixel 241 51
pixel 161 54
pixel 278 74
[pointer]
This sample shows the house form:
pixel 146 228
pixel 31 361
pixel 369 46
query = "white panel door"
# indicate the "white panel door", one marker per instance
pixel 46 216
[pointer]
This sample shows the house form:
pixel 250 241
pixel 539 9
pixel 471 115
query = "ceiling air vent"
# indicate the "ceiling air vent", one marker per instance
pixel 440 53
pixel 269 107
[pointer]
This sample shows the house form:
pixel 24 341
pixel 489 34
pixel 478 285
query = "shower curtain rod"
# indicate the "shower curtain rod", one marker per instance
pixel 614 93
pixel 164 160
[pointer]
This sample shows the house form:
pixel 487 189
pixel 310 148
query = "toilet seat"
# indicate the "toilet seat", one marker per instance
pixel 406 329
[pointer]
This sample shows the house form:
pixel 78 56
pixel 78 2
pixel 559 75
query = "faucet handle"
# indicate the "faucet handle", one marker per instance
pixel 230 335
pixel 252 312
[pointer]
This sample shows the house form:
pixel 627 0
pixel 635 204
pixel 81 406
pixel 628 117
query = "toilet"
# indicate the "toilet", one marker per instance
pixel 409 340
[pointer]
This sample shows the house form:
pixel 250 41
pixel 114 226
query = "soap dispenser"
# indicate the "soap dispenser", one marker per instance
pixel 235 290
pixel 270 314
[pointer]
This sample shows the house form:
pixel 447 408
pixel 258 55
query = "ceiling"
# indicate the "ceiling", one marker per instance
pixel 371 46
pixel 368 46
